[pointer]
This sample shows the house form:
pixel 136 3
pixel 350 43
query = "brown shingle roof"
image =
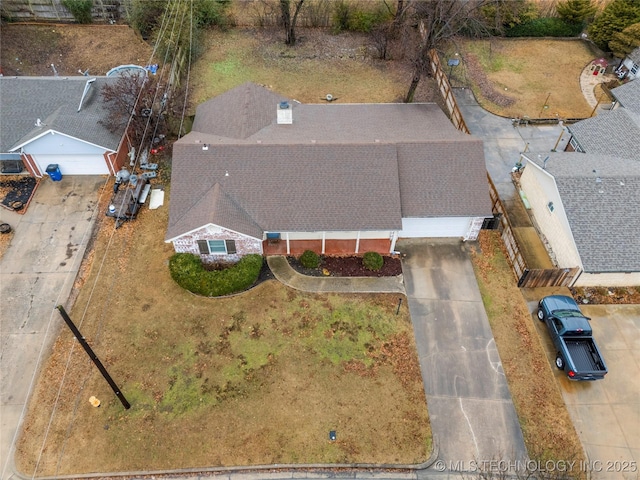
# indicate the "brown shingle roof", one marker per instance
pixel 237 113
pixel 444 178
pixel 337 167
pixel 285 188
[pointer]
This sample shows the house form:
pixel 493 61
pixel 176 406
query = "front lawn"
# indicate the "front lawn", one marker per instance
pixel 259 378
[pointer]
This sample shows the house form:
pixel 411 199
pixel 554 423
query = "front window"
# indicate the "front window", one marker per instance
pixel 217 246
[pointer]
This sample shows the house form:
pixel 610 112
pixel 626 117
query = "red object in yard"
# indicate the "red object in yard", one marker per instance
pixel 156 150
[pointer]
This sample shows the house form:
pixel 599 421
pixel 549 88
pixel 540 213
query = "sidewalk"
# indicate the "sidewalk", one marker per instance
pixel 285 274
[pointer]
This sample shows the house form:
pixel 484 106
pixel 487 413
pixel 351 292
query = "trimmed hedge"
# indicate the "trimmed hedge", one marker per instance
pixel 545 27
pixel 310 259
pixel 188 272
pixel 372 261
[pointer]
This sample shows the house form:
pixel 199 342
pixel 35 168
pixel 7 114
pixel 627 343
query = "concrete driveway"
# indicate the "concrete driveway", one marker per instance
pixel 470 407
pixel 605 413
pixel 37 273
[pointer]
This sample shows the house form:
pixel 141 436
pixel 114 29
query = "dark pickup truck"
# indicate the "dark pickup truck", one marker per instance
pixel 577 352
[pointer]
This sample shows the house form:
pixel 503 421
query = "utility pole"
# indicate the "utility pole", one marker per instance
pixel 93 356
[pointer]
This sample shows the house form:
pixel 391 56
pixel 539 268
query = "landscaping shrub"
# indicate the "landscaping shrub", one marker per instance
pixel 187 271
pixel 80 9
pixel 354 18
pixel 310 259
pixel 545 27
pixel 372 261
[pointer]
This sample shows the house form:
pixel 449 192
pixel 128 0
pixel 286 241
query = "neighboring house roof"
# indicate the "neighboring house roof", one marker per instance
pixel 629 96
pixel 55 101
pixel 610 132
pixel 337 167
pixel 634 56
pixel 600 195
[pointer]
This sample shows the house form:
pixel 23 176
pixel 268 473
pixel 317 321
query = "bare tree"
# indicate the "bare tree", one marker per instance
pixel 289 20
pixel 440 21
pixel 137 102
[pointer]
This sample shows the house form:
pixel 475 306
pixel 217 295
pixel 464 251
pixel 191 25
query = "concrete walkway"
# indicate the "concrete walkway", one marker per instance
pixel 285 274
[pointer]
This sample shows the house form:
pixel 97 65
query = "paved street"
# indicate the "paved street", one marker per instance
pixel 37 273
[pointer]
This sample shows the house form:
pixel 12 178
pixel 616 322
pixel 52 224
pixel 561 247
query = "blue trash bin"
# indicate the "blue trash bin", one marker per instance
pixel 54 172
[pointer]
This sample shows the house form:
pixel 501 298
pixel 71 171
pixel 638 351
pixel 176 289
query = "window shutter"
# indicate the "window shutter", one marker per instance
pixel 231 246
pixel 203 246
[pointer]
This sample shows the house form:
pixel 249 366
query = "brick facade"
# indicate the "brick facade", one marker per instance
pixel 245 245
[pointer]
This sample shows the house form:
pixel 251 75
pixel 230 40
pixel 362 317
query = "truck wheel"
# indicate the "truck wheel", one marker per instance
pixel 559 362
pixel 540 315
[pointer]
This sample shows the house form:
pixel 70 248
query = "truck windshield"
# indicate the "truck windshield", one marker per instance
pixel 568 313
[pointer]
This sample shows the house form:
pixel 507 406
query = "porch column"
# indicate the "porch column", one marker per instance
pixel 358 242
pixel 394 238
pixel 288 244
pixel 323 239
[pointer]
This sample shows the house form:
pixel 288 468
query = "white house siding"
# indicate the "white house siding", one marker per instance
pixel 453 227
pixel 188 243
pixel 631 67
pixel 616 279
pixel 540 189
pixel 74 157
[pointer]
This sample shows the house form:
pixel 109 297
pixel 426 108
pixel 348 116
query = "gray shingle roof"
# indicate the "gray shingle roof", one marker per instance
pixel 443 178
pixel 629 95
pixel 634 56
pixel 337 167
pixel 55 101
pixel 284 188
pixel 237 113
pixel 610 132
pixel 603 215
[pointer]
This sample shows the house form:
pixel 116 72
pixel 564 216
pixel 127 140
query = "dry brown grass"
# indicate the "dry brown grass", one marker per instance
pixel 321 63
pixel 526 71
pixel 548 431
pixel 245 380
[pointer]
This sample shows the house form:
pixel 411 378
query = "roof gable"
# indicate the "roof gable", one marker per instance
pixel 55 101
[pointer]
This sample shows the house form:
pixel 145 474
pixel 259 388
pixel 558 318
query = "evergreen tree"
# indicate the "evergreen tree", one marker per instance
pixel 626 41
pixel 576 11
pixel 616 16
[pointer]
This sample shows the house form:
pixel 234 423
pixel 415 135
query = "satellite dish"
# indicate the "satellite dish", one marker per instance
pixel 329 97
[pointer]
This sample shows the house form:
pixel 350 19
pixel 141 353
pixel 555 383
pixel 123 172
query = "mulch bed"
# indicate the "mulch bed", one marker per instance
pixel 606 295
pixel 17 192
pixel 347 267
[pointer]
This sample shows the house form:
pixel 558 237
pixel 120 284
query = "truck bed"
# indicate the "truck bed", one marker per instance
pixel 584 354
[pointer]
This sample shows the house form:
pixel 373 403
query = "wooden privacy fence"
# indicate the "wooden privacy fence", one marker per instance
pixel 527 277
pixel 444 87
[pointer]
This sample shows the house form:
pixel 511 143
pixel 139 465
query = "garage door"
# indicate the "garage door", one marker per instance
pixel 74 164
pixel 454 227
